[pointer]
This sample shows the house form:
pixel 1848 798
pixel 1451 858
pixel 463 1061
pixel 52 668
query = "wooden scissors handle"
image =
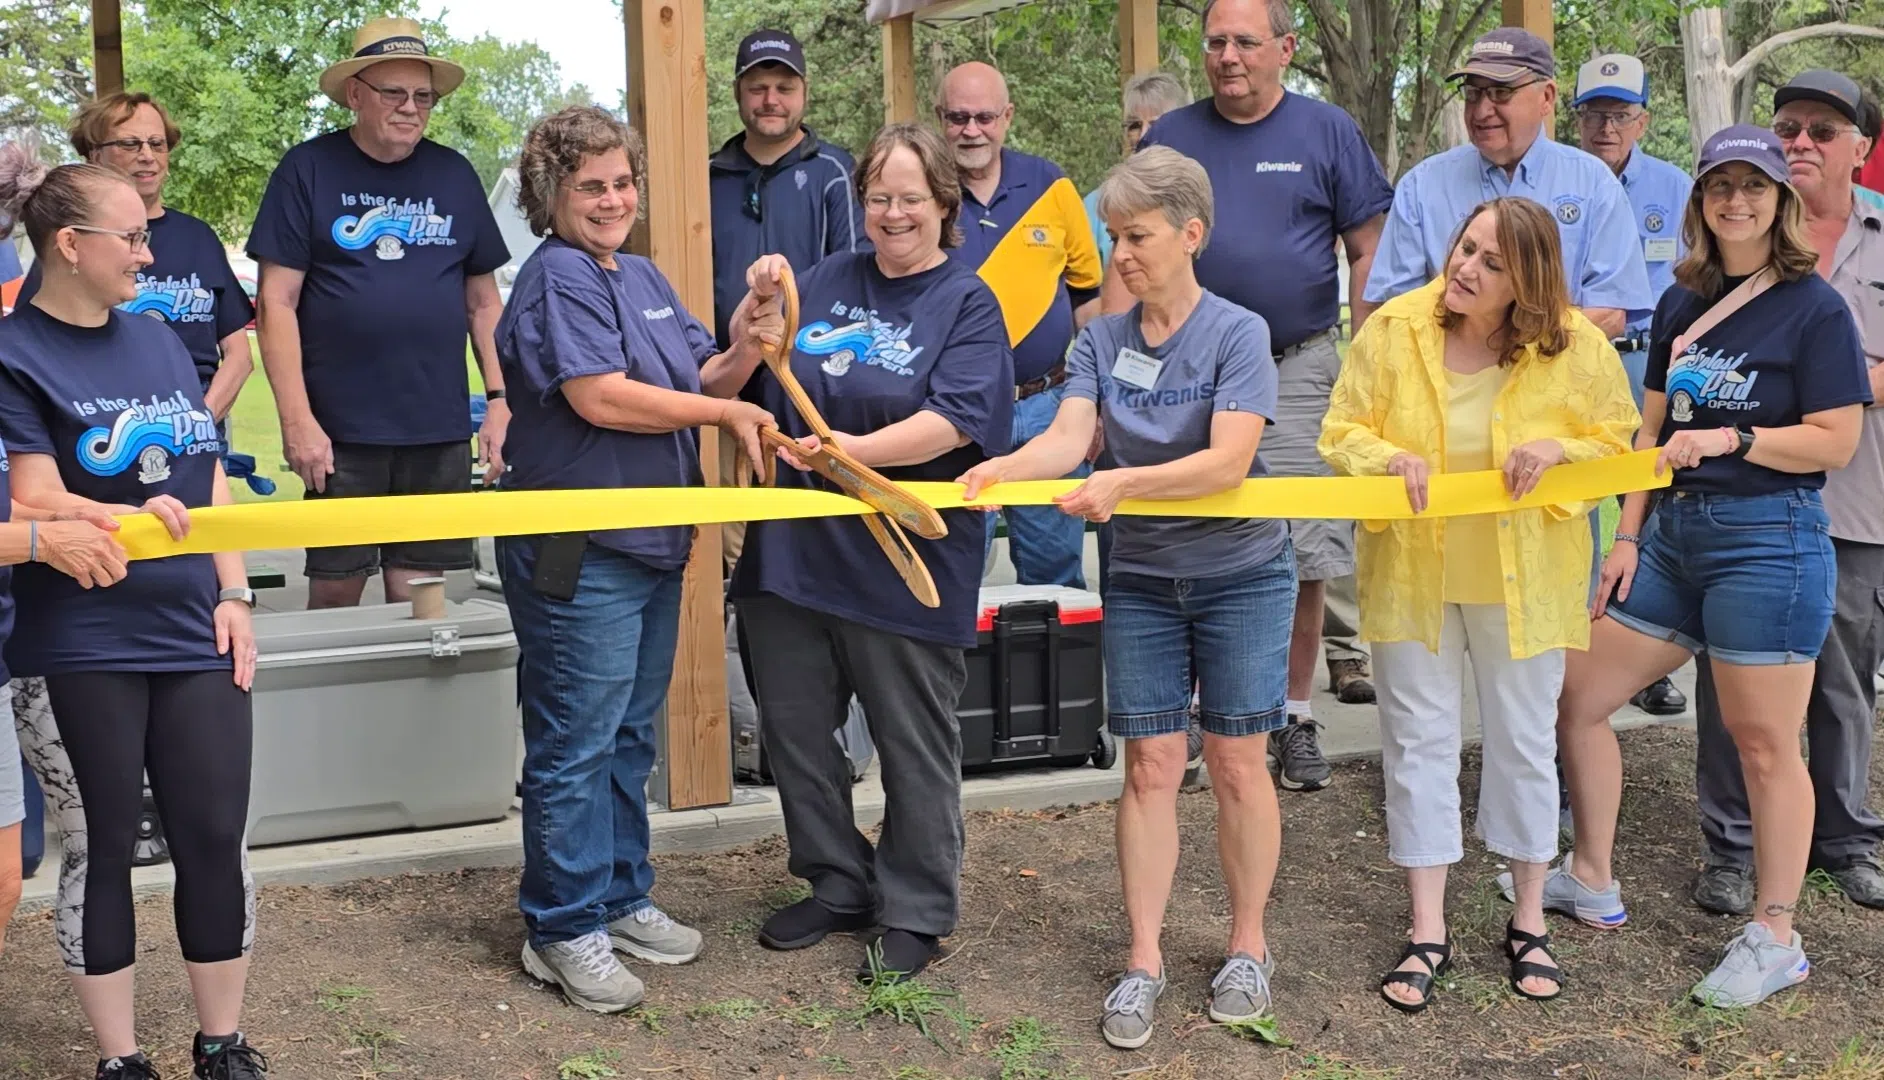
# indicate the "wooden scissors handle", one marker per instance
pixel 902 553
pixel 862 482
pixel 779 359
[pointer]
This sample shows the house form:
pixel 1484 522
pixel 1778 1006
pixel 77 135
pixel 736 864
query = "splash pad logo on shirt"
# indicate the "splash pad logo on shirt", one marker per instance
pixel 389 225
pixel 1709 380
pixel 865 339
pixel 172 299
pixel 148 433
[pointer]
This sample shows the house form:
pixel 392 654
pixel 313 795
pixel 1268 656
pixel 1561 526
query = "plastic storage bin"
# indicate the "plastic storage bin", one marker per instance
pixel 1035 690
pixel 368 720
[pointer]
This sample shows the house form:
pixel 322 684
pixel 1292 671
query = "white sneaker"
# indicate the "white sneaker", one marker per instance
pixel 587 971
pixel 1755 967
pixel 650 934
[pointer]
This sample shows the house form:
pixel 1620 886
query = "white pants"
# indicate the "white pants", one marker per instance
pixel 1422 697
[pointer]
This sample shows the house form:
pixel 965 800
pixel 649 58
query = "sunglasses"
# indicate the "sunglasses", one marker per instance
pixel 1820 131
pixel 960 119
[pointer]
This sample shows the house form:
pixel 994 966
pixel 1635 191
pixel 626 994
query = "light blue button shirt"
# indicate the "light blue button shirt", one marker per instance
pixel 1658 197
pixel 1099 232
pixel 1602 254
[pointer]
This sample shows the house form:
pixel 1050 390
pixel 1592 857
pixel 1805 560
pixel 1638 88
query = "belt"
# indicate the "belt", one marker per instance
pixel 1055 376
pixel 1308 342
pixel 1631 343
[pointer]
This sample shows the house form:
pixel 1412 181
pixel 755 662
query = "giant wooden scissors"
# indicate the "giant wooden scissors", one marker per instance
pixel 897 508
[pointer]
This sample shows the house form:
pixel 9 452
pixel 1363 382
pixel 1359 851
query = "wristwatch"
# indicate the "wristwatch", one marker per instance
pixel 244 594
pixel 1746 442
pixel 494 395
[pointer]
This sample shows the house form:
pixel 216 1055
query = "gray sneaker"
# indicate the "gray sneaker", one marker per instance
pixel 1295 751
pixel 1756 966
pixel 1861 880
pixel 1725 886
pixel 1565 895
pixel 649 934
pixel 1241 989
pixel 1127 1021
pixel 587 971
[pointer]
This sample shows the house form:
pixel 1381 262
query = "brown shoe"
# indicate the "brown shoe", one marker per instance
pixel 1350 683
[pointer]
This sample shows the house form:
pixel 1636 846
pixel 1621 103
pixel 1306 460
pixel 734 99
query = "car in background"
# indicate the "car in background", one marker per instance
pixel 247 275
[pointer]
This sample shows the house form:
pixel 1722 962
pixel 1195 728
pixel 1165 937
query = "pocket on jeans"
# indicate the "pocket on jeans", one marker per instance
pixel 1753 514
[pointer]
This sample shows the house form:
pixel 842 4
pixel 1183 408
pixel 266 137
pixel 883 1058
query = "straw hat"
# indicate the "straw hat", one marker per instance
pixel 389 39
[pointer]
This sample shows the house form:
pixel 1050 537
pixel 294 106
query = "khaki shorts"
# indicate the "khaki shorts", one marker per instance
pixel 1324 550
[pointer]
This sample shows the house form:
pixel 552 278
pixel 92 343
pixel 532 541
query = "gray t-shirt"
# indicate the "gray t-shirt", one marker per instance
pixel 1219 360
pixel 1854 495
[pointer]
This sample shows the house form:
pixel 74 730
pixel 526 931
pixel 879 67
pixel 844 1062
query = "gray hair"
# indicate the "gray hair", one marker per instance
pixel 1159 178
pixel 1281 16
pixel 1155 90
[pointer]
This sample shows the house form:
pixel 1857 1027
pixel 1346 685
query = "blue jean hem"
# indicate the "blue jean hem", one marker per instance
pixel 1742 658
pixel 1149 725
pixel 1660 633
pixel 626 910
pixel 1236 727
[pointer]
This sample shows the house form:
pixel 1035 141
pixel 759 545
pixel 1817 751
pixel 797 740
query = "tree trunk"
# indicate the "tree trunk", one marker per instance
pixel 1709 82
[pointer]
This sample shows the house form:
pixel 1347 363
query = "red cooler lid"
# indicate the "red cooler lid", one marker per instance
pixel 1076 605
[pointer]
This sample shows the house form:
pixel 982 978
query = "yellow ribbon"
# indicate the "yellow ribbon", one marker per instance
pixel 406 518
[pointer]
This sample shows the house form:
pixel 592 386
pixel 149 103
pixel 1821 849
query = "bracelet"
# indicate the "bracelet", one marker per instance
pixel 32 541
pixel 1630 537
pixel 1733 439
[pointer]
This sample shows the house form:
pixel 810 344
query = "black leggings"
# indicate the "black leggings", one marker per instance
pixel 192 732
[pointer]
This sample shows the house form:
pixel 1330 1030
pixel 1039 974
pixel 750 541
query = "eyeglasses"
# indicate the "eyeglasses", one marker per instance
pixel 1722 188
pixel 137 238
pixel 157 143
pixel 1134 127
pixel 595 189
pixel 1820 131
pixel 1602 118
pixel 395 96
pixel 880 204
pixel 1499 95
pixel 960 119
pixel 1217 44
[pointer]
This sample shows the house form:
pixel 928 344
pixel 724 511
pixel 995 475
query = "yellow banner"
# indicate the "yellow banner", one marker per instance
pixel 334 522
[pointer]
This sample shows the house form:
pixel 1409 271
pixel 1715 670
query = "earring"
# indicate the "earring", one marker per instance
pixel 75 269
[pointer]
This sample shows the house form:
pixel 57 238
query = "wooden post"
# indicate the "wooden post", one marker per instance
pixel 1535 16
pixel 1138 38
pixel 667 102
pixel 107 48
pixel 899 70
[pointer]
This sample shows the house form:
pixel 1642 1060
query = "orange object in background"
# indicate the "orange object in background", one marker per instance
pixel 9 294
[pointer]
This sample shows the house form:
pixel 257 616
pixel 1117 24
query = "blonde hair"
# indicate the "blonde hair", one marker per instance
pixel 1533 256
pixel 1159 178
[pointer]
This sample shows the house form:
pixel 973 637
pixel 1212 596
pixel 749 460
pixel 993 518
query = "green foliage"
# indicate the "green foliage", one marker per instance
pixel 594 1065
pixel 45 50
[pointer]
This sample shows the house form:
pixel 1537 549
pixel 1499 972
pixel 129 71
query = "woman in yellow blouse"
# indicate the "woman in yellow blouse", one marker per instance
pixel 1488 367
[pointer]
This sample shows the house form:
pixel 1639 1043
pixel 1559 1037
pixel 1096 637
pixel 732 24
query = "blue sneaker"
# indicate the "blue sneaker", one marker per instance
pixel 1565 895
pixel 1755 966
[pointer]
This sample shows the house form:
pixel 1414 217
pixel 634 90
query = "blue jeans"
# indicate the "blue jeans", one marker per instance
pixel 1748 578
pixel 1046 546
pixel 1232 631
pixel 592 677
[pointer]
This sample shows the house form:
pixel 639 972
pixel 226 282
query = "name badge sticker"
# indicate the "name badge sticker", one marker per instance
pixel 1134 368
pixel 1660 250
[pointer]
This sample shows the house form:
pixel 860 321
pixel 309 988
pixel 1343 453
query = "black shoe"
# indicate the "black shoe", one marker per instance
pixel 901 953
pixel 134 1067
pixel 808 922
pixel 1661 698
pixel 1860 879
pixel 1725 887
pixel 231 1059
pixel 1296 752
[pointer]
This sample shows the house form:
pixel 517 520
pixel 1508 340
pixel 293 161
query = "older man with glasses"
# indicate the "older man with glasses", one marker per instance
pixel 1612 116
pixel 377 249
pixel 1817 118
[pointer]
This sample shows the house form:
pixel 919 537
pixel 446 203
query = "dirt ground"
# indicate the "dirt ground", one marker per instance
pixel 418 976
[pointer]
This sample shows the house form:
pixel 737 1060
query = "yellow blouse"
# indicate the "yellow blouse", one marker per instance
pixel 1471 556
pixel 1392 397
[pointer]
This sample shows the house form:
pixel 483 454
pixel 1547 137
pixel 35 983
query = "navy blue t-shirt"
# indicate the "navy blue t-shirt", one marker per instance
pixel 386 249
pixel 569 317
pixel 872 350
pixel 188 285
pixel 6 572
pixel 1286 186
pixel 1792 350
pixel 118 407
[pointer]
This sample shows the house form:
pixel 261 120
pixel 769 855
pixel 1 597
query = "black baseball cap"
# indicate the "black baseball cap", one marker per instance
pixel 1750 143
pixel 1506 55
pixel 1828 87
pixel 769 47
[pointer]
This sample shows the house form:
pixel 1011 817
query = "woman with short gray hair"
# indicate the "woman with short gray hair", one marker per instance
pixel 1182 386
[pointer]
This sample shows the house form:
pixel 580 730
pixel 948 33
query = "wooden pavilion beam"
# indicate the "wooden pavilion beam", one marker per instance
pixel 1532 15
pixel 1138 38
pixel 899 70
pixel 667 103
pixel 107 48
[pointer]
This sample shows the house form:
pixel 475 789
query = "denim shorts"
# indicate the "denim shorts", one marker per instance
pixel 1748 579
pixel 1230 633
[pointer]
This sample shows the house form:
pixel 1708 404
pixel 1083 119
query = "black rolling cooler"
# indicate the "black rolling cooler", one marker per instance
pixel 1035 692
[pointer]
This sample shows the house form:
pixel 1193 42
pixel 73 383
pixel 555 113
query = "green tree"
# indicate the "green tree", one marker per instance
pixel 46 53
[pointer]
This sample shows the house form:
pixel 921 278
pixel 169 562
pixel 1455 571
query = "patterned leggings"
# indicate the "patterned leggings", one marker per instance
pixel 192 732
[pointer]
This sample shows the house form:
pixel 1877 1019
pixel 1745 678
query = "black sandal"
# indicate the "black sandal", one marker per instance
pixel 1421 981
pixel 1519 944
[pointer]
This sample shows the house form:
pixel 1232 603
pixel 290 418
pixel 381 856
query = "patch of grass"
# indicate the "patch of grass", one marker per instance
pixel 916 1072
pixel 732 1009
pixel 834 1064
pixel 594 1065
pixel 886 993
pixel 1481 992
pixel 1819 888
pixel 1696 1027
pixel 746 926
pixel 373 1040
pixel 1022 1045
pixel 336 997
pixel 1481 913
pixel 1855 1061
pixel 1264 1029
pixel 812 1016
pixel 651 1018
pixel 1334 1067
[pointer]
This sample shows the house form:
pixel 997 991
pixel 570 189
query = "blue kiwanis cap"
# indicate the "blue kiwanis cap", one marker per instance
pixel 1613 75
pixel 1754 145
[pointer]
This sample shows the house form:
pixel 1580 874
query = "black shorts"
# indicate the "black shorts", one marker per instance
pixel 360 471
